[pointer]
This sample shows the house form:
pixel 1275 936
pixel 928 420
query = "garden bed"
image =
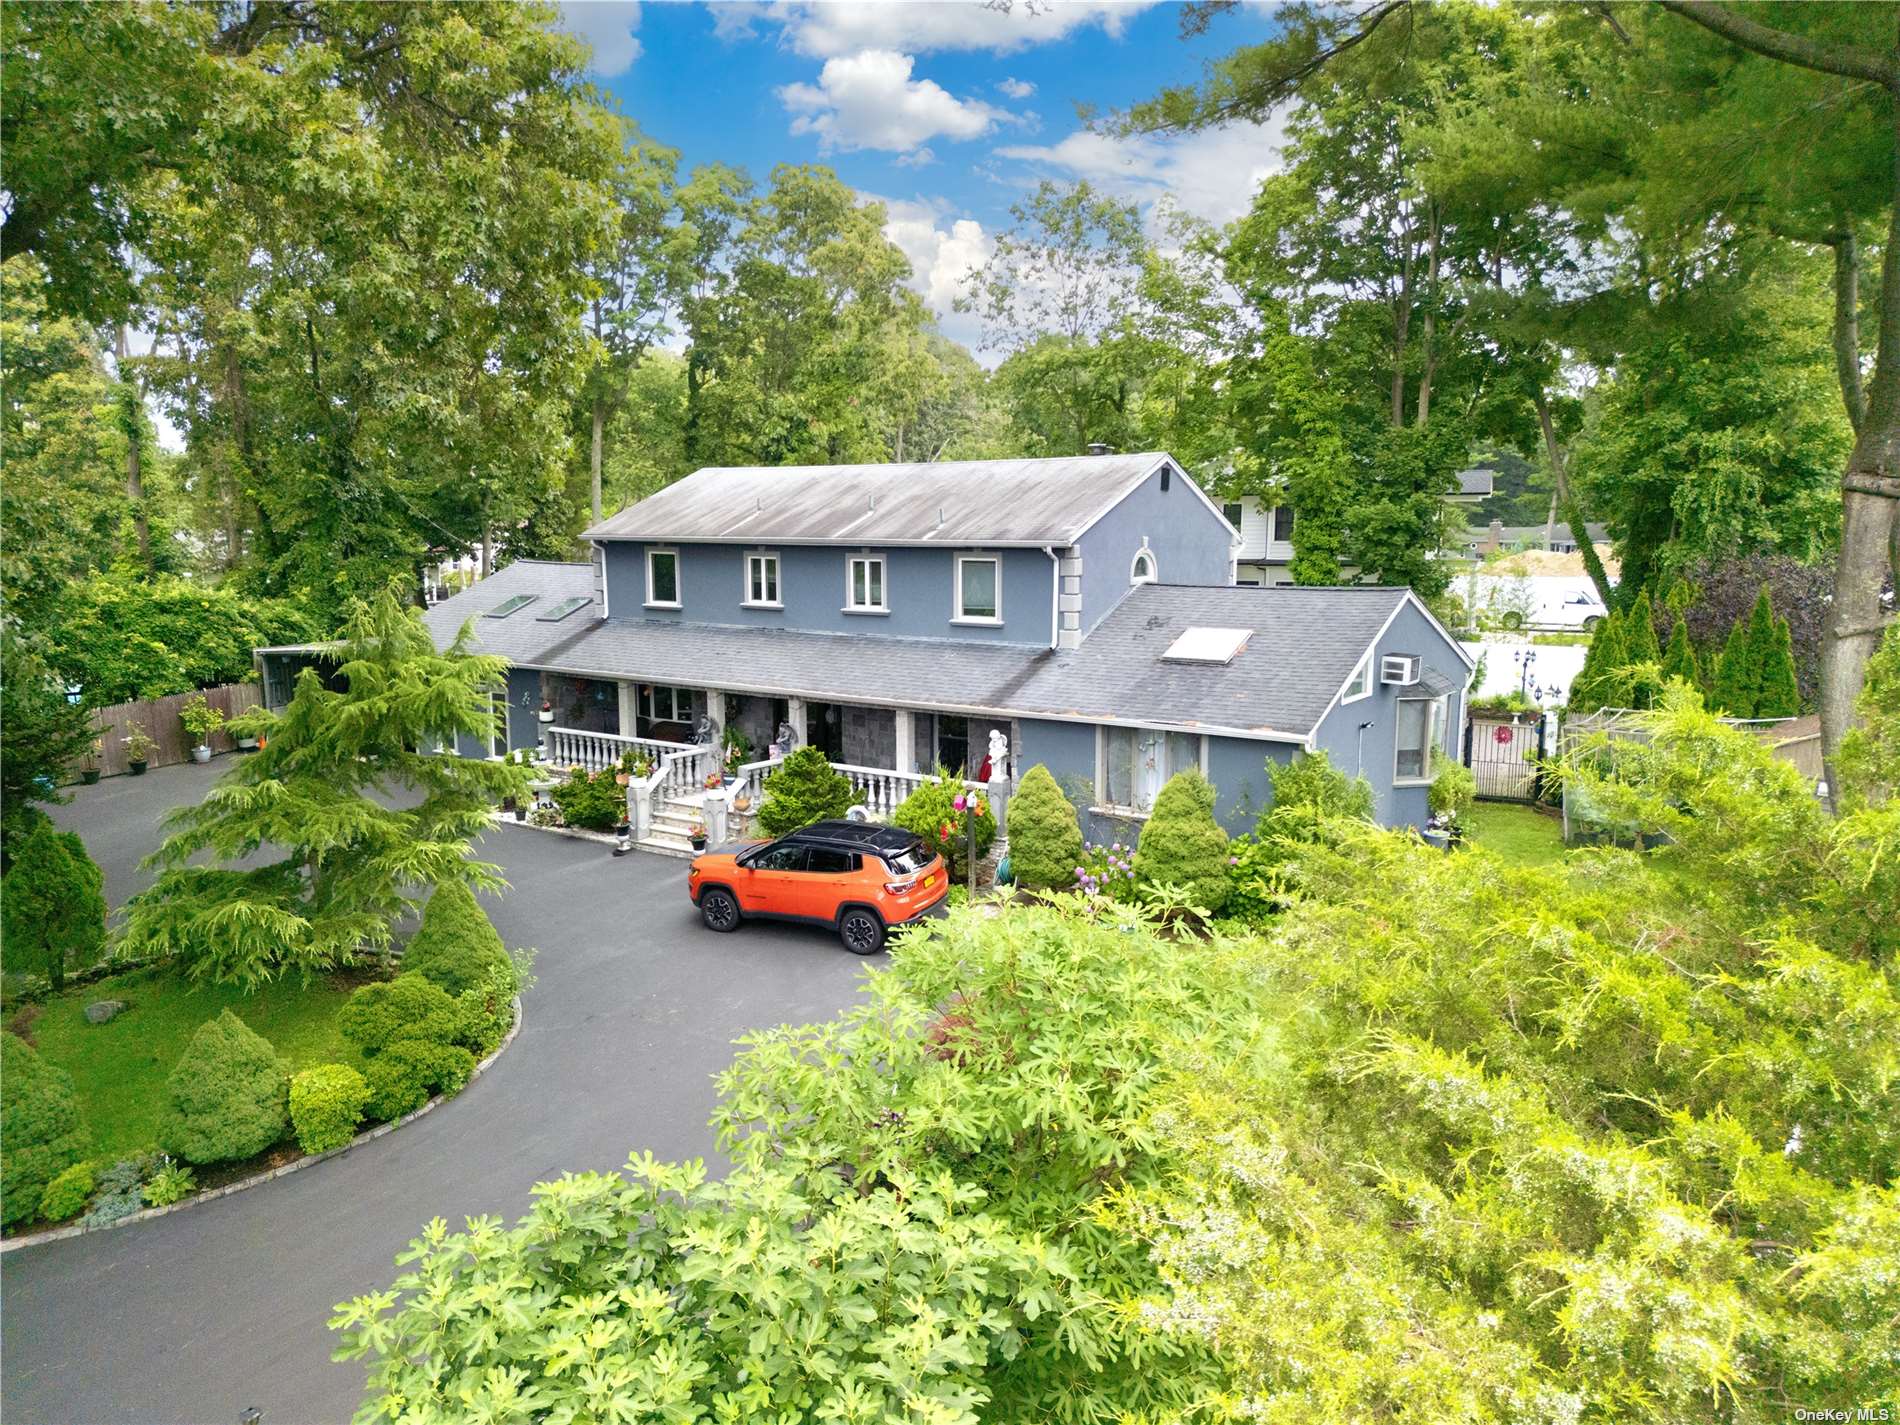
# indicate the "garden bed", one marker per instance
pixel 119 1068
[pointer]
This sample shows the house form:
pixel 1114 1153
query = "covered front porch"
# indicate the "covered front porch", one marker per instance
pixel 674 797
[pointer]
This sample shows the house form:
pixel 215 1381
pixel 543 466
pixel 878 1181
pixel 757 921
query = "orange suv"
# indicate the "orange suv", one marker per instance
pixel 856 877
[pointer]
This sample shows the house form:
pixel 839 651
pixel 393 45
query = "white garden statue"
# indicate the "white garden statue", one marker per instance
pixel 999 754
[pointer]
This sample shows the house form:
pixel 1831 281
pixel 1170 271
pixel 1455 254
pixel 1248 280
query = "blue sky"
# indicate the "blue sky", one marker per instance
pixel 947 111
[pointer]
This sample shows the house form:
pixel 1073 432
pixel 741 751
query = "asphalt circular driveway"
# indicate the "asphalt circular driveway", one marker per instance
pixel 194 1316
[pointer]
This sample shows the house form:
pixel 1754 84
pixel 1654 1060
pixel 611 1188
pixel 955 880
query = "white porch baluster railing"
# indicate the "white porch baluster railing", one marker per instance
pixel 597 751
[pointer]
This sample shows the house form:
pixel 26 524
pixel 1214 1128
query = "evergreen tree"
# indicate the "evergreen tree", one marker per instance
pixel 351 865
pixel 1045 839
pixel 456 946
pixel 1639 633
pixel 41 1132
pixel 229 1096
pixel 1779 695
pixel 1679 660
pixel 41 733
pixel 1764 646
pixel 803 789
pixel 1733 687
pixel 53 907
pixel 1182 845
pixel 1595 679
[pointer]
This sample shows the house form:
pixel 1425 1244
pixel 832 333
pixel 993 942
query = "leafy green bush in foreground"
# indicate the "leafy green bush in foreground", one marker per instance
pixel 1450 1141
pixel 41 1131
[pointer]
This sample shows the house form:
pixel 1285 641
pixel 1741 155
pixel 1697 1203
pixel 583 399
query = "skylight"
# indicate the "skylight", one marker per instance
pixel 1207 645
pixel 562 610
pixel 510 606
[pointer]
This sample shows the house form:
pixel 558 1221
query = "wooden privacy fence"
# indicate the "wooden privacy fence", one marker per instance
pixel 158 719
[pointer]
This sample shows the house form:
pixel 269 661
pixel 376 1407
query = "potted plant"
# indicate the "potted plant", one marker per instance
pixel 200 720
pixel 138 751
pixel 246 741
pixel 715 780
pixel 698 836
pixel 89 764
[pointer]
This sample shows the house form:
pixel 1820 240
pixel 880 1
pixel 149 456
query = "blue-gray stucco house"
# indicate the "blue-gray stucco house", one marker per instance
pixel 895 615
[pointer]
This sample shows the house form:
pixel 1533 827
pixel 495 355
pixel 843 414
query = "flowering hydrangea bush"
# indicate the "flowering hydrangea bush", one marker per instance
pixel 1107 870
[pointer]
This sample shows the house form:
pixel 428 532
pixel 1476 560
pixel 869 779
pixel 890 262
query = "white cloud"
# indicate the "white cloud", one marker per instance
pixel 838 27
pixel 869 100
pixel 1016 88
pixel 608 26
pixel 1212 174
pixel 943 250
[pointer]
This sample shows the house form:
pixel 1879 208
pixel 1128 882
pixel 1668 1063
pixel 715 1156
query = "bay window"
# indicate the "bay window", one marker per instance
pixel 1135 762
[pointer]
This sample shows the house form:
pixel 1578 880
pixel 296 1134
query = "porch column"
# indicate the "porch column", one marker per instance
pixel 795 715
pixel 906 760
pixel 716 710
pixel 629 709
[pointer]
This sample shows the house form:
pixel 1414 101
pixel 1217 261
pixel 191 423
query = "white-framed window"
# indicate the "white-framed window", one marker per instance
pixel 1361 684
pixel 1233 511
pixel 1421 725
pixel 663 579
pixel 761 581
pixel 659 703
pixel 1132 764
pixel 864 585
pixel 1283 524
pixel 1142 571
pixel 979 591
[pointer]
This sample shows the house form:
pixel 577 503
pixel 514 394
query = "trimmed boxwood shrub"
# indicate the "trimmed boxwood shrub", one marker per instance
pixel 229 1097
pixel 456 946
pixel 326 1104
pixel 803 789
pixel 597 802
pixel 930 811
pixel 409 1007
pixel 41 1131
pixel 1182 844
pixel 52 905
pixel 403 1076
pixel 1045 839
pixel 67 1195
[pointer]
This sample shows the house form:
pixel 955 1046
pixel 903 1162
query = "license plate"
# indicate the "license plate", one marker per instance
pixel 930 880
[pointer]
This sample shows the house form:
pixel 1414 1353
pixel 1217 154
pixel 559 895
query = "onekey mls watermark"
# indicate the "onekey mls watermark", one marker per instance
pixel 1851 1413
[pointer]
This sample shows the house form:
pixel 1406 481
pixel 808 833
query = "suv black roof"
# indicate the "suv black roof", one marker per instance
pixel 856 836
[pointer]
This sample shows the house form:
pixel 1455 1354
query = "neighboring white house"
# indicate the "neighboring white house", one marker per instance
pixel 1266 533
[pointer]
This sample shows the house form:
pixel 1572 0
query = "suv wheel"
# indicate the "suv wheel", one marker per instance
pixel 861 931
pixel 718 909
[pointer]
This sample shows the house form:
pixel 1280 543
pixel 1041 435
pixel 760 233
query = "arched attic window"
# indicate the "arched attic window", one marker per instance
pixel 1143 570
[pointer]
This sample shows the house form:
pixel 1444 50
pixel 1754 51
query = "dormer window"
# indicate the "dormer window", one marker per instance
pixel 663 579
pixel 1142 571
pixel 864 585
pixel 761 582
pixel 979 593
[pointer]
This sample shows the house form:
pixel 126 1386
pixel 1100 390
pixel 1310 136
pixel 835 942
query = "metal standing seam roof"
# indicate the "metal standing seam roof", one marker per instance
pixel 965 502
pixel 1305 642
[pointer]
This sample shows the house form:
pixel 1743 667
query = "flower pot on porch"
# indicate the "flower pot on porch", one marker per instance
pixel 201 753
pixel 136 766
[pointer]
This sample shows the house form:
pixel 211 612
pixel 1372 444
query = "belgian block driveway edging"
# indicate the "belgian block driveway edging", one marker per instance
pixel 59 1233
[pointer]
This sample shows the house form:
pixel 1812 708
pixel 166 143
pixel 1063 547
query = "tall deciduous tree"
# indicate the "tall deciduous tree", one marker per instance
pixel 350 865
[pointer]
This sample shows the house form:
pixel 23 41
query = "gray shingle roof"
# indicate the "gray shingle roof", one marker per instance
pixel 1027 502
pixel 1478 480
pixel 520 638
pixel 1305 642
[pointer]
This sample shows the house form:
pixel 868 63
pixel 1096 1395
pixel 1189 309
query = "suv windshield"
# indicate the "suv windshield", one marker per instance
pixel 913 857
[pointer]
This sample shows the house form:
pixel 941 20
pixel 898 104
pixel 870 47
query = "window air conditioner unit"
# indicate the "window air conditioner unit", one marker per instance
pixel 1399 669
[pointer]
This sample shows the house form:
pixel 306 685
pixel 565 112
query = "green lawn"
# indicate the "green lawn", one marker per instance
pixel 120 1067
pixel 1522 835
